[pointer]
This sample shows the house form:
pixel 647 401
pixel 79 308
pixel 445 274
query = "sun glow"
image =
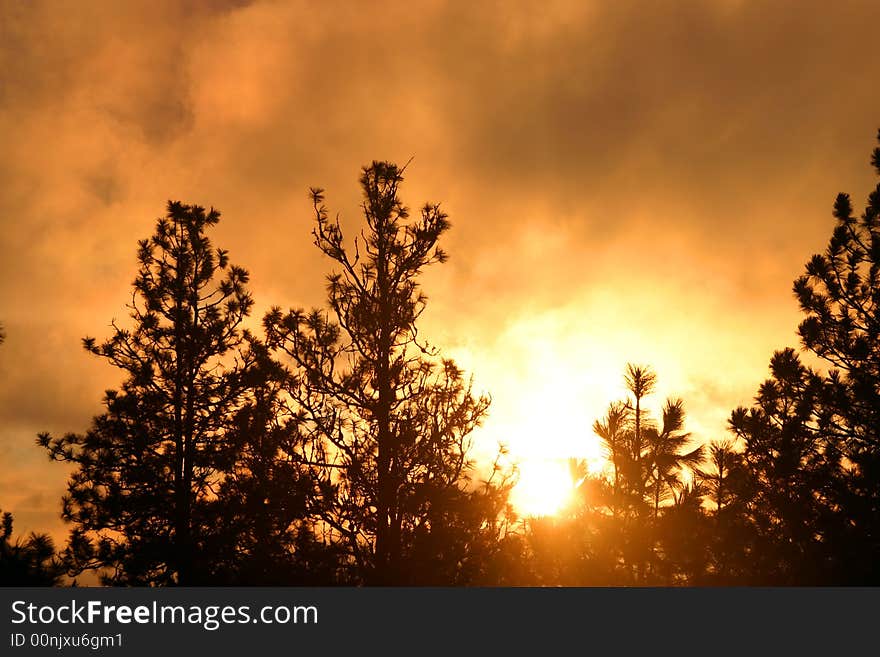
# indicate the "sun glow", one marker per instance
pixel 544 403
pixel 544 488
pixel 552 374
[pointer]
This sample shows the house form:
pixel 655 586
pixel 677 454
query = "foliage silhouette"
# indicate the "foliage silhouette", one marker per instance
pixel 627 512
pixel 390 419
pixel 141 496
pixel 792 474
pixel 840 294
pixel 339 449
pixel 266 503
pixel 28 562
pixel 812 438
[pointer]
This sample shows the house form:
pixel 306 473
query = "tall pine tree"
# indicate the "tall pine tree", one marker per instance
pixel 392 417
pixel 146 472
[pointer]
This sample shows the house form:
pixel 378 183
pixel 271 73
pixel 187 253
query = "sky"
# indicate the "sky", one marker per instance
pixel 626 181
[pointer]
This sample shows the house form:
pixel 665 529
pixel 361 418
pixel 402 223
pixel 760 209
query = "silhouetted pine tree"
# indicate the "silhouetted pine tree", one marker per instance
pixel 640 381
pixel 812 439
pixel 795 472
pixel 147 471
pixel 625 512
pixel 394 419
pixel 729 492
pixel 28 562
pixel 840 294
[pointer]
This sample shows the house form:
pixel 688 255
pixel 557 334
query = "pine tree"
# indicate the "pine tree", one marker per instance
pixel 840 295
pixel 27 562
pixel 794 471
pixel 393 418
pixel 647 481
pixel 149 467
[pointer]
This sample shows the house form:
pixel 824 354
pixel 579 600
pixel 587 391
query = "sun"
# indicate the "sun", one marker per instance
pixel 545 487
pixel 548 385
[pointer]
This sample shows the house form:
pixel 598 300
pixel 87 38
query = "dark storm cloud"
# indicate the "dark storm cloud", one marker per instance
pixel 639 179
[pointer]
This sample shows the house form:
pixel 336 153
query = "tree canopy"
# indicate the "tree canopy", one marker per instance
pixel 337 447
pixel 389 419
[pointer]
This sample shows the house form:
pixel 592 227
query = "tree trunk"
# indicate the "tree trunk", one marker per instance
pixel 385 540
